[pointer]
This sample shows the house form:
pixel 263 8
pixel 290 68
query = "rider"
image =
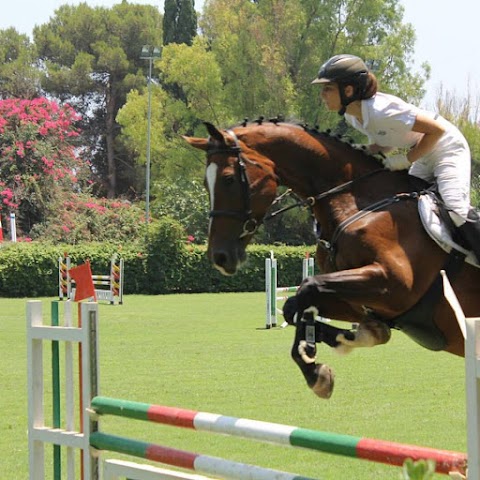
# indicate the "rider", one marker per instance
pixel 436 150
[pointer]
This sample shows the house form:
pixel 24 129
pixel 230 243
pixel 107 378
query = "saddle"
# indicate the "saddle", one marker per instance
pixel 439 226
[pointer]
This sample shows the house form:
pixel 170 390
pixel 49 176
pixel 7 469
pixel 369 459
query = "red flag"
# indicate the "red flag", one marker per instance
pixel 84 287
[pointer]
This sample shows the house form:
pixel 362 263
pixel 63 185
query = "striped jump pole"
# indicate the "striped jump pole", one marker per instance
pixel 380 451
pixel 120 469
pixel 219 467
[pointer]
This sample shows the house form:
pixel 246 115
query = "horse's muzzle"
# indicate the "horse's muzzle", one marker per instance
pixel 227 261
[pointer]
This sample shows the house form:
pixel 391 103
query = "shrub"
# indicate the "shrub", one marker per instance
pixel 38 158
pixel 76 218
pixel 164 264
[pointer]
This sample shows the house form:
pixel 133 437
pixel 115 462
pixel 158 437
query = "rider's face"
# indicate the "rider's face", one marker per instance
pixel 330 96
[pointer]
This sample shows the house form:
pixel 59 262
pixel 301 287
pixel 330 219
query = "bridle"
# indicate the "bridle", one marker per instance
pixel 250 224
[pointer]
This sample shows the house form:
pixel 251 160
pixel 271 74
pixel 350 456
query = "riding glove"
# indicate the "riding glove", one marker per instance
pixel 396 162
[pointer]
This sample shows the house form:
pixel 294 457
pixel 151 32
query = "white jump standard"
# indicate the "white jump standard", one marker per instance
pixel 272 290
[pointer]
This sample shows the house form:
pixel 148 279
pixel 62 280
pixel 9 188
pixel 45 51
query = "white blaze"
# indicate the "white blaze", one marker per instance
pixel 211 177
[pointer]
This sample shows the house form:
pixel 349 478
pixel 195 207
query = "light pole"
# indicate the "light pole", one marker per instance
pixel 149 53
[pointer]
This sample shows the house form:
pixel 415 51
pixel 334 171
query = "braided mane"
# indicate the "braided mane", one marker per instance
pixel 314 131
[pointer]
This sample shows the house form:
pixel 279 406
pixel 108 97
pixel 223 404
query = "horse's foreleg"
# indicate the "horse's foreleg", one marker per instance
pixel 333 293
pixel 339 295
pixel 319 377
pixel 309 332
pixel 367 334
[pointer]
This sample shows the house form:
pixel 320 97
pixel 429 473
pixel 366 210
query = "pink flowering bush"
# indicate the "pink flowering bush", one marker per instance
pixel 38 157
pixel 76 218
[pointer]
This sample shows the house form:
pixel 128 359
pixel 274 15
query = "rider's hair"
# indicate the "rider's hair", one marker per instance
pixel 371 86
pixel 364 88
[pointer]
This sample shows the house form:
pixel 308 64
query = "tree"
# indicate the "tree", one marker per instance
pixel 38 160
pixel 269 51
pixel 179 22
pixel 92 59
pixel 78 217
pixel 180 27
pixel 166 146
pixel 19 72
pixel 251 57
pixel 186 201
pixel 196 71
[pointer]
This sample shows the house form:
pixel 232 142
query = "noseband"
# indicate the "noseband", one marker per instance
pixel 250 224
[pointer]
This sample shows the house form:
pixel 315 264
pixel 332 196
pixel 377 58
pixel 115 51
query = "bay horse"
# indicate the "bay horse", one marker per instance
pixel 381 270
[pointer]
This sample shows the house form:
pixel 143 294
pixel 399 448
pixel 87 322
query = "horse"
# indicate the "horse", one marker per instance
pixel 380 269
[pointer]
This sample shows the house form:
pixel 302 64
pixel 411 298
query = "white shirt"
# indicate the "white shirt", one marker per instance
pixel 387 121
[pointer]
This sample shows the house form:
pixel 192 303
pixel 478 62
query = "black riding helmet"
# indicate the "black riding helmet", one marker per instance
pixel 345 70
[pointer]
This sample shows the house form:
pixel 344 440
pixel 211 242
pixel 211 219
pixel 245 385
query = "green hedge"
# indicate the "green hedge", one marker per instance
pixel 164 263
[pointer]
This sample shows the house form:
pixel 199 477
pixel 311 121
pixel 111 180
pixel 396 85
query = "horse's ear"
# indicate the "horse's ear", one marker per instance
pixel 214 132
pixel 200 143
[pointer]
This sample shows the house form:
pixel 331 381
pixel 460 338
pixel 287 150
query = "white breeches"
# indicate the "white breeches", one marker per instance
pixel 448 166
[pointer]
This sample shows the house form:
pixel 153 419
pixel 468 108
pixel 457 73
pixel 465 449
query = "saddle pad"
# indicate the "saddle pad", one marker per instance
pixel 438 231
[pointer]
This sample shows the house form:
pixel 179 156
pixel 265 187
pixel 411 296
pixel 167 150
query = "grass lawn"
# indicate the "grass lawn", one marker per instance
pixel 211 353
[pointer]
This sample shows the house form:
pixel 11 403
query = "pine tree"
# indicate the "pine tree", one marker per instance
pixel 179 22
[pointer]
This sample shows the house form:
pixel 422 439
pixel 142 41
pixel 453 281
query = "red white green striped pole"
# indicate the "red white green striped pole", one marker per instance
pixel 218 467
pixel 350 446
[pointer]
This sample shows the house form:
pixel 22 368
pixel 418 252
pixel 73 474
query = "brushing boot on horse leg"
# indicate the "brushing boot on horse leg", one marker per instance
pixel 309 331
pixel 319 376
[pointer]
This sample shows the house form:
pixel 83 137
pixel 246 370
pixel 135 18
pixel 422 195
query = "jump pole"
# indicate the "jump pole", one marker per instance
pixel 218 467
pixel 379 451
pixel 470 328
pixel 120 469
pixel 370 449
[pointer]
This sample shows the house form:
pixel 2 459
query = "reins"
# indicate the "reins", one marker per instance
pixel 374 207
pixel 310 201
pixel 251 224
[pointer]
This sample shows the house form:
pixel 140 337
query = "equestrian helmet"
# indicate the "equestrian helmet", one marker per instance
pixel 342 68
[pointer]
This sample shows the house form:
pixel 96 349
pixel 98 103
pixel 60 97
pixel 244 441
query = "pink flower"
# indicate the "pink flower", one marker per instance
pixel 7 193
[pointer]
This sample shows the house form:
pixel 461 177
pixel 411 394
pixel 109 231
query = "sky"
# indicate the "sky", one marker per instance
pixel 447 37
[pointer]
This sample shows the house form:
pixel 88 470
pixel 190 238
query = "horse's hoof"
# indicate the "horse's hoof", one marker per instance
pixel 324 384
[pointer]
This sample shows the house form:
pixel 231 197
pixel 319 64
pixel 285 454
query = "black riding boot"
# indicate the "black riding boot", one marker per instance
pixel 470 232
